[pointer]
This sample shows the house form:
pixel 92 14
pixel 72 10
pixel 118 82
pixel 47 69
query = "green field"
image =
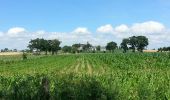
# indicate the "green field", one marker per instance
pixel 98 76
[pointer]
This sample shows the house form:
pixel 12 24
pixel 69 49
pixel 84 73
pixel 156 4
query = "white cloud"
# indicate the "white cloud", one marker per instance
pixel 38 34
pixel 157 33
pixel 1 34
pixel 81 31
pixel 16 32
pixel 122 28
pixel 105 29
pixel 150 27
pixel 61 36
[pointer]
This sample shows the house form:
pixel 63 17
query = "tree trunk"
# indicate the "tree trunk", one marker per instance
pixel 52 52
pixel 46 52
pixel 124 51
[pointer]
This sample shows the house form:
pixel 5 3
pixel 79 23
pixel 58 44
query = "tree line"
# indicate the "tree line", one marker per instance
pixel 53 46
pixel 135 43
pixel 163 49
pixel 40 45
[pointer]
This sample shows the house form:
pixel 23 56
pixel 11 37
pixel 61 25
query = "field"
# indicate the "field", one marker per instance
pixel 10 53
pixel 98 76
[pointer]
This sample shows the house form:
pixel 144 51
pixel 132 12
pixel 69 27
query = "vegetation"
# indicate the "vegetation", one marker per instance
pixel 111 46
pixel 99 76
pixel 98 48
pixel 44 45
pixel 66 49
pixel 86 76
pixel 163 49
pixel 124 45
pixel 135 42
pixel 41 45
pixel 24 56
pixel 87 47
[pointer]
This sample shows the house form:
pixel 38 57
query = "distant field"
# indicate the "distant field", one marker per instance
pixel 10 53
pixel 150 50
pixel 105 76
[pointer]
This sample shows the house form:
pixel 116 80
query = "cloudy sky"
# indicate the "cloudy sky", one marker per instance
pixel 79 21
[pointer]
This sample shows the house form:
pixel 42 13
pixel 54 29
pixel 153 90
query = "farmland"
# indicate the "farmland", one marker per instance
pixel 101 76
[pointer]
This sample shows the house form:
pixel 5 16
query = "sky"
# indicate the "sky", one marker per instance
pixel 79 21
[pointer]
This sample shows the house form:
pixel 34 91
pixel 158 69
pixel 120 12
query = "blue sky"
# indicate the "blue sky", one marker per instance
pixel 66 17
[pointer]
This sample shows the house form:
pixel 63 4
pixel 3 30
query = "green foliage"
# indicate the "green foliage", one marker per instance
pixel 111 46
pixel 138 42
pixel 24 56
pixel 66 49
pixel 54 45
pixel 98 48
pixel 164 49
pixel 44 45
pixel 75 48
pixel 99 76
pixel 86 47
pixel 124 45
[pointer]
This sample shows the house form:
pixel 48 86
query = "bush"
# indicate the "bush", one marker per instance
pixel 24 56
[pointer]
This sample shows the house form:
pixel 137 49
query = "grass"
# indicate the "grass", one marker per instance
pixel 100 76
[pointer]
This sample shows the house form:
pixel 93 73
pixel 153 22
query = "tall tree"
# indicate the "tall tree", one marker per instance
pixel 6 50
pixel 35 44
pixel 142 42
pixel 54 45
pixel 38 44
pixel 138 42
pixel 44 45
pixel 111 46
pixel 98 48
pixel 124 44
pixel 86 47
pixel 75 48
pixel 133 43
pixel 66 49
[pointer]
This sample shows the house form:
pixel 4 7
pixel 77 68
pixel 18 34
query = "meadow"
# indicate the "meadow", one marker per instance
pixel 91 76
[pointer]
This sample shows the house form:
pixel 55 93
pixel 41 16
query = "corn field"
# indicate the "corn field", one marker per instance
pixel 98 76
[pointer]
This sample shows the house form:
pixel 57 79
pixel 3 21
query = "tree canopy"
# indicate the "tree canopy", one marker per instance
pixel 86 47
pixel 138 42
pixel 44 45
pixel 67 49
pixel 124 44
pixel 111 46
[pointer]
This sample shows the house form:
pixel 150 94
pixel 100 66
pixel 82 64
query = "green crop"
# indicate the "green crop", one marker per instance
pixel 100 76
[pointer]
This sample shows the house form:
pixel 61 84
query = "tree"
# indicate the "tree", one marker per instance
pixel 35 44
pixel 54 45
pixel 39 45
pixel 66 49
pixel 163 49
pixel 111 46
pixel 75 47
pixel 86 47
pixel 133 43
pixel 142 42
pixel 6 50
pixel 98 48
pixel 138 42
pixel 44 45
pixel 160 50
pixel 124 44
